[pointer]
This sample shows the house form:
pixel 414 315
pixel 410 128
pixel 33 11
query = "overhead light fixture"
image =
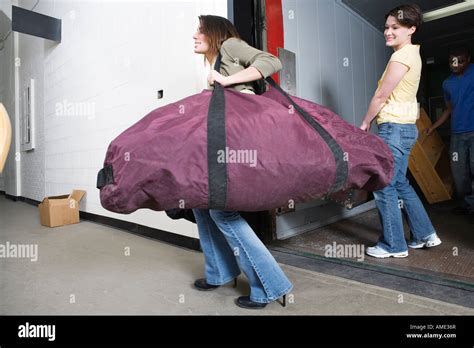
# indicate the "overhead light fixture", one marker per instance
pixel 452 10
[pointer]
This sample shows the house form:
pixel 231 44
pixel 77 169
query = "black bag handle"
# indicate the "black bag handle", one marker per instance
pixel 216 140
pixel 217 64
pixel 342 168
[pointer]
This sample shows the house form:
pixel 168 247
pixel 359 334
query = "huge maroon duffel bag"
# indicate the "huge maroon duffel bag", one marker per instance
pixel 227 150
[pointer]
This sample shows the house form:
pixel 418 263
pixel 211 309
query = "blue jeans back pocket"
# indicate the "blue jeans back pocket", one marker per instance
pixel 408 138
pixel 384 131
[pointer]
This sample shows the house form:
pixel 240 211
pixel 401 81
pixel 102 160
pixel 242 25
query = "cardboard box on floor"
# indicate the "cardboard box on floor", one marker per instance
pixel 60 210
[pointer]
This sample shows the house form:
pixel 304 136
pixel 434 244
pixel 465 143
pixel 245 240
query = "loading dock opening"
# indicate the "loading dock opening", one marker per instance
pixel 323 35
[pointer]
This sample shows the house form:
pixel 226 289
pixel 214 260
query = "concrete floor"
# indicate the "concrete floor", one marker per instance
pixel 86 262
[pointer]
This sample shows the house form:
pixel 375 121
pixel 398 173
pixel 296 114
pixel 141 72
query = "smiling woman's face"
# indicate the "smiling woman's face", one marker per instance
pixel 396 34
pixel 201 44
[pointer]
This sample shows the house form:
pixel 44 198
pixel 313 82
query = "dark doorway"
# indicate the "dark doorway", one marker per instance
pixel 249 18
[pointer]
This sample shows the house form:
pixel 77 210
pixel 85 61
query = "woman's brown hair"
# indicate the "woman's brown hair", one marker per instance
pixel 217 29
pixel 407 16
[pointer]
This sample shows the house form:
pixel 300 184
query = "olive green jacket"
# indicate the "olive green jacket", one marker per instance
pixel 237 55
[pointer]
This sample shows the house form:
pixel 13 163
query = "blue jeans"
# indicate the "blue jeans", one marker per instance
pixel 230 245
pixel 399 196
pixel 462 166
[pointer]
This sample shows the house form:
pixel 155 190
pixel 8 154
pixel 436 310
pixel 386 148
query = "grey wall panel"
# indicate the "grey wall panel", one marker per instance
pixel 369 58
pixel 382 55
pixel 290 32
pixel 345 102
pixel 358 73
pixel 324 34
pixel 327 45
pixel 308 58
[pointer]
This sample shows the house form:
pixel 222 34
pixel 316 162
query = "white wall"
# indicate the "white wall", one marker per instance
pixel 6 7
pixel 31 52
pixel 113 58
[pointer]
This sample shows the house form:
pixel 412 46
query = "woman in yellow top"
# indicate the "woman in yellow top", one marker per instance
pixel 395 108
pixel 229 244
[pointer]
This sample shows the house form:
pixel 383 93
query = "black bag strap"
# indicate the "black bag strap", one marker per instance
pixel 342 168
pixel 217 64
pixel 216 141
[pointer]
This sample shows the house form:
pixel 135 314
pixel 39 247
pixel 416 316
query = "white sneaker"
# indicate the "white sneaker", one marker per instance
pixel 431 241
pixel 381 253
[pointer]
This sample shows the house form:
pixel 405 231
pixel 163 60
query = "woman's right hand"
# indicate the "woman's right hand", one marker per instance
pixel 216 76
pixel 429 130
pixel 365 126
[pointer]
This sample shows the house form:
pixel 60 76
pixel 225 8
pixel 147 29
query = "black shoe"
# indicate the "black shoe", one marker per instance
pixel 245 302
pixel 202 285
pixel 471 217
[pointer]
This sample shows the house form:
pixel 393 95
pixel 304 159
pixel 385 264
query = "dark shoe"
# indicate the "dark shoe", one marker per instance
pixel 202 285
pixel 245 302
pixel 471 217
pixel 461 210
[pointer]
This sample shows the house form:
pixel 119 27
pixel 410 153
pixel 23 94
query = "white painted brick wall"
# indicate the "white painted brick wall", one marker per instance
pixel 31 53
pixel 115 55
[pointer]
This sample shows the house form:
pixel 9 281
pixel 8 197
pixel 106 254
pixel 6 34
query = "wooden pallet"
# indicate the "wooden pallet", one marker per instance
pixel 429 163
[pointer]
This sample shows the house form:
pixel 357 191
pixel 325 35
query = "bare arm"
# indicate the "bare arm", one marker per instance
pixel 392 78
pixel 442 119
